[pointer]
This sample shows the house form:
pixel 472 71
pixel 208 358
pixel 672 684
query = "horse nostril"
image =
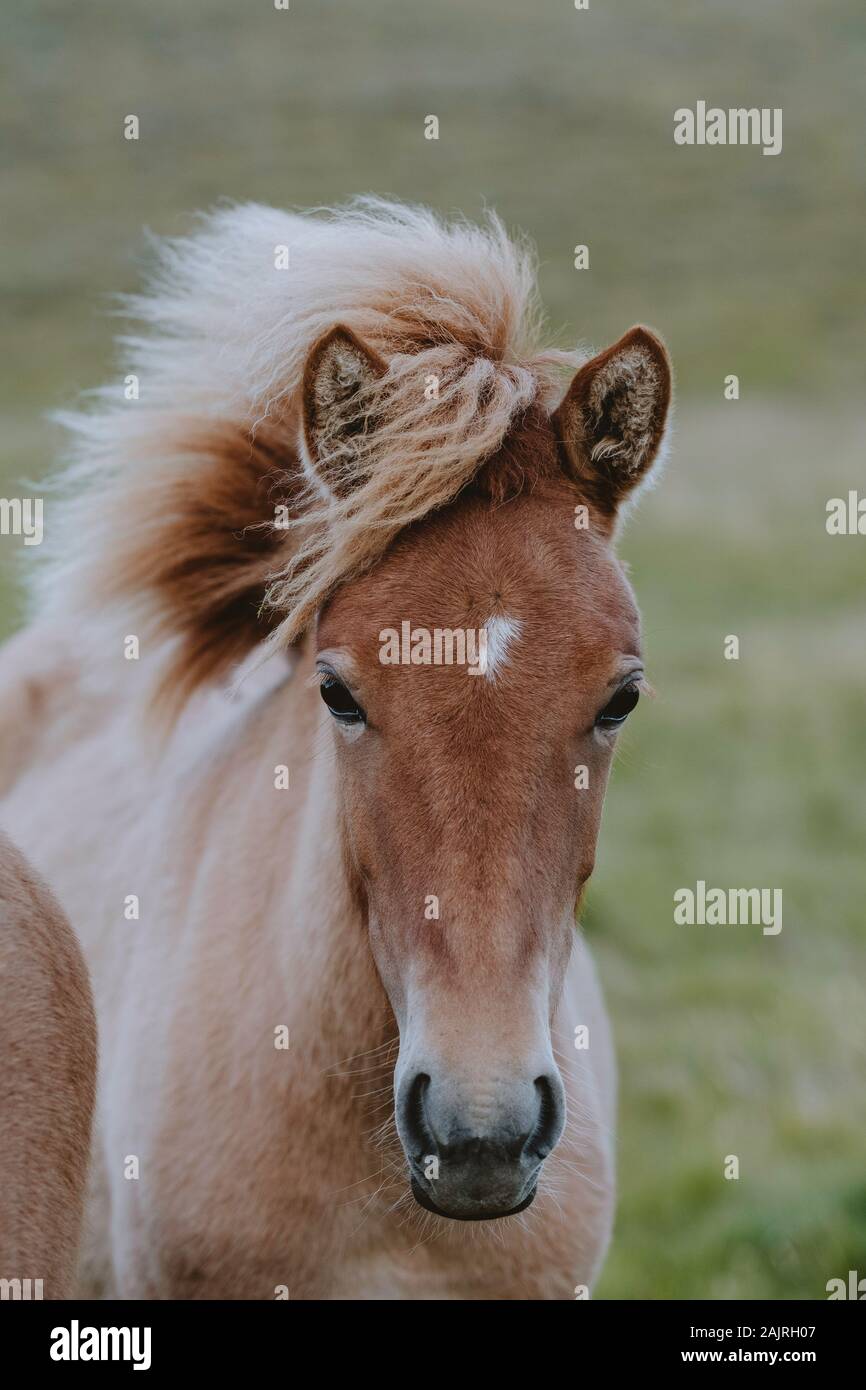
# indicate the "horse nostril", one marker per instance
pixel 548 1126
pixel 418 1132
pixel 525 1126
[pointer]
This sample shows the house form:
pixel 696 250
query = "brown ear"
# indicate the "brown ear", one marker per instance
pixel 339 396
pixel 612 418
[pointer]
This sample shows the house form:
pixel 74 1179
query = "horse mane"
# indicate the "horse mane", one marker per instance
pixel 187 515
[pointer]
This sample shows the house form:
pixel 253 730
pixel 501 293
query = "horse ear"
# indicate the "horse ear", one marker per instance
pixel 612 418
pixel 339 395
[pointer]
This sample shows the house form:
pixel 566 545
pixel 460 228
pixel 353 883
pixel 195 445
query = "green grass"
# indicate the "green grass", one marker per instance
pixel 745 773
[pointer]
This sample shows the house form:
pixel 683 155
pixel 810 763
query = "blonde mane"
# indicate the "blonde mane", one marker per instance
pixel 169 502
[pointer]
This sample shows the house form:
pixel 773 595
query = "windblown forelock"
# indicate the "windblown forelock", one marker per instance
pixel 451 308
pixel 415 457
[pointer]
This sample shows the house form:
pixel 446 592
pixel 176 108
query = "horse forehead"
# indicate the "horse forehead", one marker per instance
pixel 520 573
pixel 524 559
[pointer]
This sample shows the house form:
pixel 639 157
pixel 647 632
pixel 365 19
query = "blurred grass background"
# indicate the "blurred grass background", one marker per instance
pixel 747 773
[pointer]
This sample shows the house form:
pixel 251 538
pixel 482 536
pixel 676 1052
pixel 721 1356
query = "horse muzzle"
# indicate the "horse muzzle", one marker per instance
pixel 475 1154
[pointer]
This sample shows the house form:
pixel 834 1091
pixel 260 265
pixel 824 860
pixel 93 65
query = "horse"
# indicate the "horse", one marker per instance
pixel 354 1043
pixel 47 1086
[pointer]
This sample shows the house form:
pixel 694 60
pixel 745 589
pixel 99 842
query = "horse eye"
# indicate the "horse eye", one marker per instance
pixel 340 702
pixel 619 708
